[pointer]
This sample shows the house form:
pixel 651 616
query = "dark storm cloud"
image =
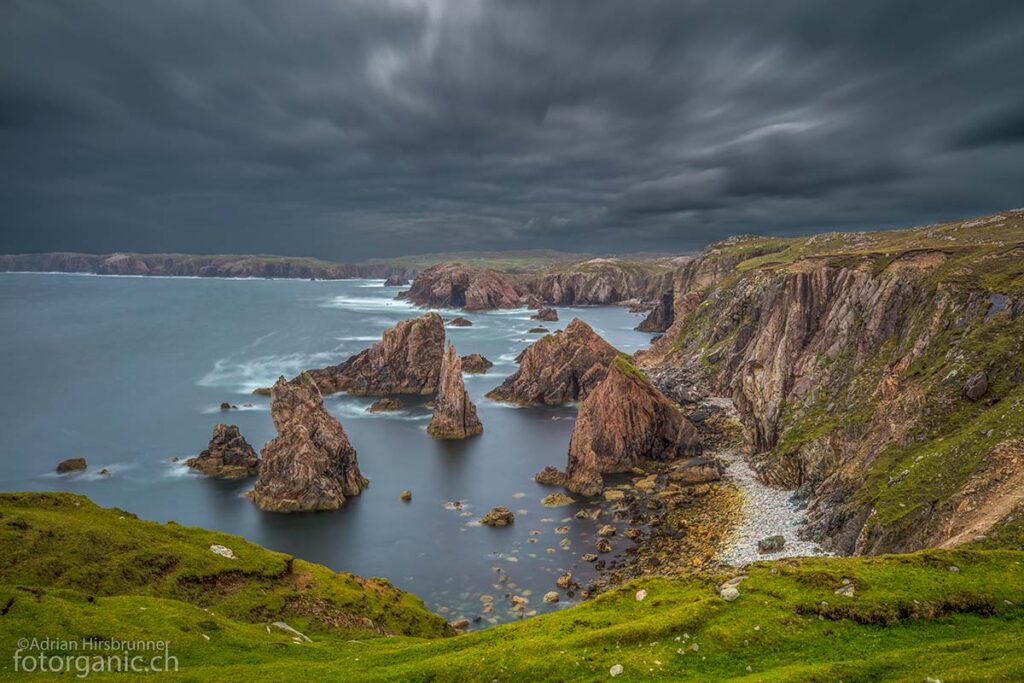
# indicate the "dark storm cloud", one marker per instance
pixel 356 129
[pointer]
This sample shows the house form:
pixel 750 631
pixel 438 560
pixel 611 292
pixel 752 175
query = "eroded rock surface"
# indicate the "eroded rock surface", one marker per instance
pixel 454 414
pixel 310 464
pixel 623 422
pixel 453 285
pixel 559 367
pixel 407 360
pixel 475 364
pixel 228 455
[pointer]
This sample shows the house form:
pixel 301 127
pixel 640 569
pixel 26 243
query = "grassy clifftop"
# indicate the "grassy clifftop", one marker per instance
pixel 69 569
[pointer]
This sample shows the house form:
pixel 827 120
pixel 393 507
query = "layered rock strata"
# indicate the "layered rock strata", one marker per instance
pixel 228 455
pixel 454 413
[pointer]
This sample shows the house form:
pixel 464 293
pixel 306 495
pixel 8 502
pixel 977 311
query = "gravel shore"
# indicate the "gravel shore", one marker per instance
pixel 767 511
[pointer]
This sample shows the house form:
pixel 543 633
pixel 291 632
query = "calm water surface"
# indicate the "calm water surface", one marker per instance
pixel 130 371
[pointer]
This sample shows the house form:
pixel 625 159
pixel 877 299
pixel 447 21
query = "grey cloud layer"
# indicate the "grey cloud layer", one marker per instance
pixel 356 129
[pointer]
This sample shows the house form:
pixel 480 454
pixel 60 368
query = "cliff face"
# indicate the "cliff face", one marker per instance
pixel 407 360
pixel 623 422
pixel 600 281
pixel 196 266
pixel 847 356
pixel 454 414
pixel 453 285
pixel 558 367
pixel 310 465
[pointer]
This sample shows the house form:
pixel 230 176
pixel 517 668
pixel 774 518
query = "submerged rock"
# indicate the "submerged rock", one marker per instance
pixel 561 367
pixel 624 421
pixel 537 330
pixel 407 360
pixel 557 500
pixel 475 364
pixel 460 322
pixel 310 465
pixel 228 455
pixel 71 465
pixel 405 496
pixel 454 414
pixel 546 314
pixel 385 405
pixel 499 516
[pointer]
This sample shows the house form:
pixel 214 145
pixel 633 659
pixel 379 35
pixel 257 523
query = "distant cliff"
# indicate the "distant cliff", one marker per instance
pixel 190 265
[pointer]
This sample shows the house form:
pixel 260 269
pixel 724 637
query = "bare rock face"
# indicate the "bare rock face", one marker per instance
pixel 499 516
pixel 661 316
pixel 454 414
pixel 310 465
pixel 599 281
pixel 624 421
pixel 396 281
pixel 385 405
pixel 475 364
pixel 228 456
pixel 561 367
pixel 406 361
pixel 71 465
pixel 545 314
pixel 453 285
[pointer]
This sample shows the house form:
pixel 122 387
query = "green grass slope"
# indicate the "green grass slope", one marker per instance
pixel 69 570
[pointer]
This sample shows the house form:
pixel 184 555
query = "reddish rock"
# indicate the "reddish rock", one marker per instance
pixel 385 405
pixel 661 316
pixel 310 465
pixel 561 367
pixel 407 360
pixel 228 456
pixel 454 414
pixel 71 465
pixel 475 364
pixel 623 422
pixel 453 285
pixel 545 314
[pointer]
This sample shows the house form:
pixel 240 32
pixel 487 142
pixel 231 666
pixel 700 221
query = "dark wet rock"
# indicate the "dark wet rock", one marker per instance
pixel 228 455
pixel 71 465
pixel 475 364
pixel 546 314
pixel 310 465
pixel 460 322
pixel 227 406
pixel 976 386
pixel 385 405
pixel 396 281
pixel 454 414
pixel 661 316
pixel 537 330
pixel 604 546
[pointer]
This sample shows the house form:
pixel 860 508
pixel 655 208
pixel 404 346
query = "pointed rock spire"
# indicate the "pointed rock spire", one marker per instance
pixel 454 414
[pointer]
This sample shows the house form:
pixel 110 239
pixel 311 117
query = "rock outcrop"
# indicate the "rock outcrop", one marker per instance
pixel 407 360
pixel 228 455
pixel 385 405
pixel 499 516
pixel 396 280
pixel 193 265
pixel 310 464
pixel 475 364
pixel 623 422
pixel 601 281
pixel 453 285
pixel 71 465
pixel 559 367
pixel 546 314
pixel 454 414
pixel 872 371
pixel 661 316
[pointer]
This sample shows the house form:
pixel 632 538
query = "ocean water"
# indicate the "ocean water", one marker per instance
pixel 129 372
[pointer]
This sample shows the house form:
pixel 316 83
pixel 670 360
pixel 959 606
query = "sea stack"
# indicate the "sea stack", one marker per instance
pixel 228 455
pixel 559 367
pixel 310 465
pixel 623 422
pixel 453 285
pixel 454 414
pixel 407 360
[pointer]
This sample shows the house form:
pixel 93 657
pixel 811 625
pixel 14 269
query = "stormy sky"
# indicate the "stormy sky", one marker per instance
pixel 351 129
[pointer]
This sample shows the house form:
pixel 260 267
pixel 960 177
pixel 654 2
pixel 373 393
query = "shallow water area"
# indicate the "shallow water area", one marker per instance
pixel 129 372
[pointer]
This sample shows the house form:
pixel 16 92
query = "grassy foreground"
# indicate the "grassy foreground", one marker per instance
pixel 69 569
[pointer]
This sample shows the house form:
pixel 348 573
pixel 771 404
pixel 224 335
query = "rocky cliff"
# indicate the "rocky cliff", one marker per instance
pixel 621 423
pixel 453 285
pixel 849 358
pixel 407 360
pixel 310 464
pixel 228 455
pixel 193 265
pixel 601 281
pixel 558 367
pixel 454 414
